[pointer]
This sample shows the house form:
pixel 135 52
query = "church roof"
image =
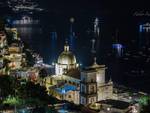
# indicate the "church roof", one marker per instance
pixel 95 65
pixel 65 88
pixel 75 73
pixel 67 57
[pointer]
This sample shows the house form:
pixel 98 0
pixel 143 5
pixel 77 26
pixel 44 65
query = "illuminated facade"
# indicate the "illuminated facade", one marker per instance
pixel 25 20
pixel 66 61
pixel 12 53
pixel 54 44
pixel 144 34
pixel 3 42
pixel 15 33
pixel 93 86
pixel 72 35
pixel 15 56
pixel 78 86
pixel 117 49
pixel 3 50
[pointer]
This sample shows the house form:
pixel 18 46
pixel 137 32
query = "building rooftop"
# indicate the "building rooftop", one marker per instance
pixel 88 70
pixel 75 73
pixel 67 57
pixel 115 103
pixel 65 88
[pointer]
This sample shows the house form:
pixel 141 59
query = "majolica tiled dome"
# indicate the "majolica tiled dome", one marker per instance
pixel 66 57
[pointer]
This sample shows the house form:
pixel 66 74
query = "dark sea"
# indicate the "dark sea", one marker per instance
pixel 48 36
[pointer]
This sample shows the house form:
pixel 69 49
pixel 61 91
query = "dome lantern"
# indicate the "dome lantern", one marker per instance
pixel 66 61
pixel 66 48
pixel 67 57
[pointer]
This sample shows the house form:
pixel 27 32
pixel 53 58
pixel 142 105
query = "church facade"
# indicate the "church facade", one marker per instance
pixel 80 86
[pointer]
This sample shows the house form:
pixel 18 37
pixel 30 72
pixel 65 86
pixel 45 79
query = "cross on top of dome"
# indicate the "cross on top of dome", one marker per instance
pixel 66 46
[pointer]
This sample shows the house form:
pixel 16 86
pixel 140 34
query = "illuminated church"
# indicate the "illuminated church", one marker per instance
pixel 80 86
pixel 66 61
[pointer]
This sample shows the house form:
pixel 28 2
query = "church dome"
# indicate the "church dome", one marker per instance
pixel 66 57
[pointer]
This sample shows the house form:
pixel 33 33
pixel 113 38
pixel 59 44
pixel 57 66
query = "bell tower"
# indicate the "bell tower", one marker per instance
pixel 88 87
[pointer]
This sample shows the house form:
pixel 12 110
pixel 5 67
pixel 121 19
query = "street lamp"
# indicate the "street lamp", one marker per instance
pixel 108 109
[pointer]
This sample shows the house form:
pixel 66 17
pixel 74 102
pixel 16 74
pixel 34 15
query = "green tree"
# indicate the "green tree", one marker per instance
pixel 29 57
pixel 7 86
pixel 7 69
pixel 32 90
pixel 146 107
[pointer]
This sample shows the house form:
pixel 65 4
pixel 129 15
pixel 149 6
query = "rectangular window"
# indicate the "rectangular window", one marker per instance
pixel 83 89
pixel 82 101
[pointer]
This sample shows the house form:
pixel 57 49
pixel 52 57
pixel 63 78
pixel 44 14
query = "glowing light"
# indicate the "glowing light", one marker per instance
pixel 53 63
pixel 8 20
pixel 62 111
pixel 66 88
pixel 108 109
pixel 140 28
pixel 96 22
pixel 25 20
pixel 144 100
pixel 71 38
pixel 53 37
pixel 118 48
pixel 144 27
pixel 72 20
pixel 63 91
pixel 23 111
pixel 12 101
pixel 93 46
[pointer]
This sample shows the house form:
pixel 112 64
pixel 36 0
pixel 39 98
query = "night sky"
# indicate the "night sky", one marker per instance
pixel 116 6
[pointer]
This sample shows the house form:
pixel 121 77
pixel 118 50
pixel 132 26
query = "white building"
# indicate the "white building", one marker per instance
pixel 78 86
pixel 93 86
pixel 66 61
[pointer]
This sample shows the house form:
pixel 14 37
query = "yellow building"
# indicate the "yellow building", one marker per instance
pixel 3 42
pixel 14 32
pixel 15 56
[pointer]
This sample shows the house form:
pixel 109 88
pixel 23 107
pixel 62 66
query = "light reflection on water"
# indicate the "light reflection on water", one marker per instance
pixel 30 35
pixel 45 41
pixel 49 43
